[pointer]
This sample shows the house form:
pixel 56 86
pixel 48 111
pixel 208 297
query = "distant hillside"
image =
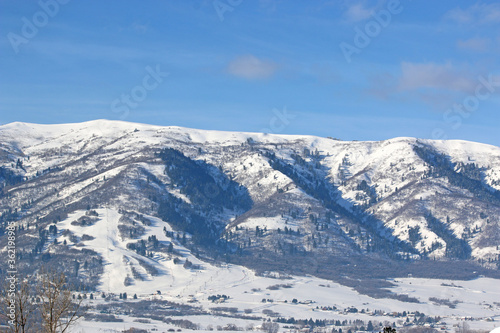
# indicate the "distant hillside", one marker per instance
pixel 80 194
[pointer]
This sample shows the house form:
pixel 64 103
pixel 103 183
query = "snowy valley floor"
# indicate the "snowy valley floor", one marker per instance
pixel 181 293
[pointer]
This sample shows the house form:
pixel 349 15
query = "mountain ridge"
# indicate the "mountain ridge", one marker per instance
pixel 308 199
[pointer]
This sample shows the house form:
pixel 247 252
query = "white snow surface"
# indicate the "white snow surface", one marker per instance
pixel 387 166
pixel 346 162
pixel 474 298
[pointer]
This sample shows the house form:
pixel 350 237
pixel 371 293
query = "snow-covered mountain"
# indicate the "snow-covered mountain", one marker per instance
pixel 135 201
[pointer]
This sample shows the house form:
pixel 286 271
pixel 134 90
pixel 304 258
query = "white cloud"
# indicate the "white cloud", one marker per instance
pixel 415 76
pixel 358 12
pixel 251 68
pixel 436 84
pixel 140 28
pixel 269 5
pixel 474 44
pixel 459 15
pixel 476 14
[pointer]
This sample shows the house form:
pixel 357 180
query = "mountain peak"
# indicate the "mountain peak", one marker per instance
pixel 244 194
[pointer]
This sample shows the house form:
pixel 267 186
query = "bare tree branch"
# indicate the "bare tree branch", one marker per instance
pixel 58 311
pixel 16 308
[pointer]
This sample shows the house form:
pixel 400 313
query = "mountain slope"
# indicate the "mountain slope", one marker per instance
pixel 243 197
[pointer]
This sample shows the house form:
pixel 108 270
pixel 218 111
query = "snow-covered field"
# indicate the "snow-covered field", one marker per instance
pixel 478 299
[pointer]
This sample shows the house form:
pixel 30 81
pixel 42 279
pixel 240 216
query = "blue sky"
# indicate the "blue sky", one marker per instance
pixel 355 70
